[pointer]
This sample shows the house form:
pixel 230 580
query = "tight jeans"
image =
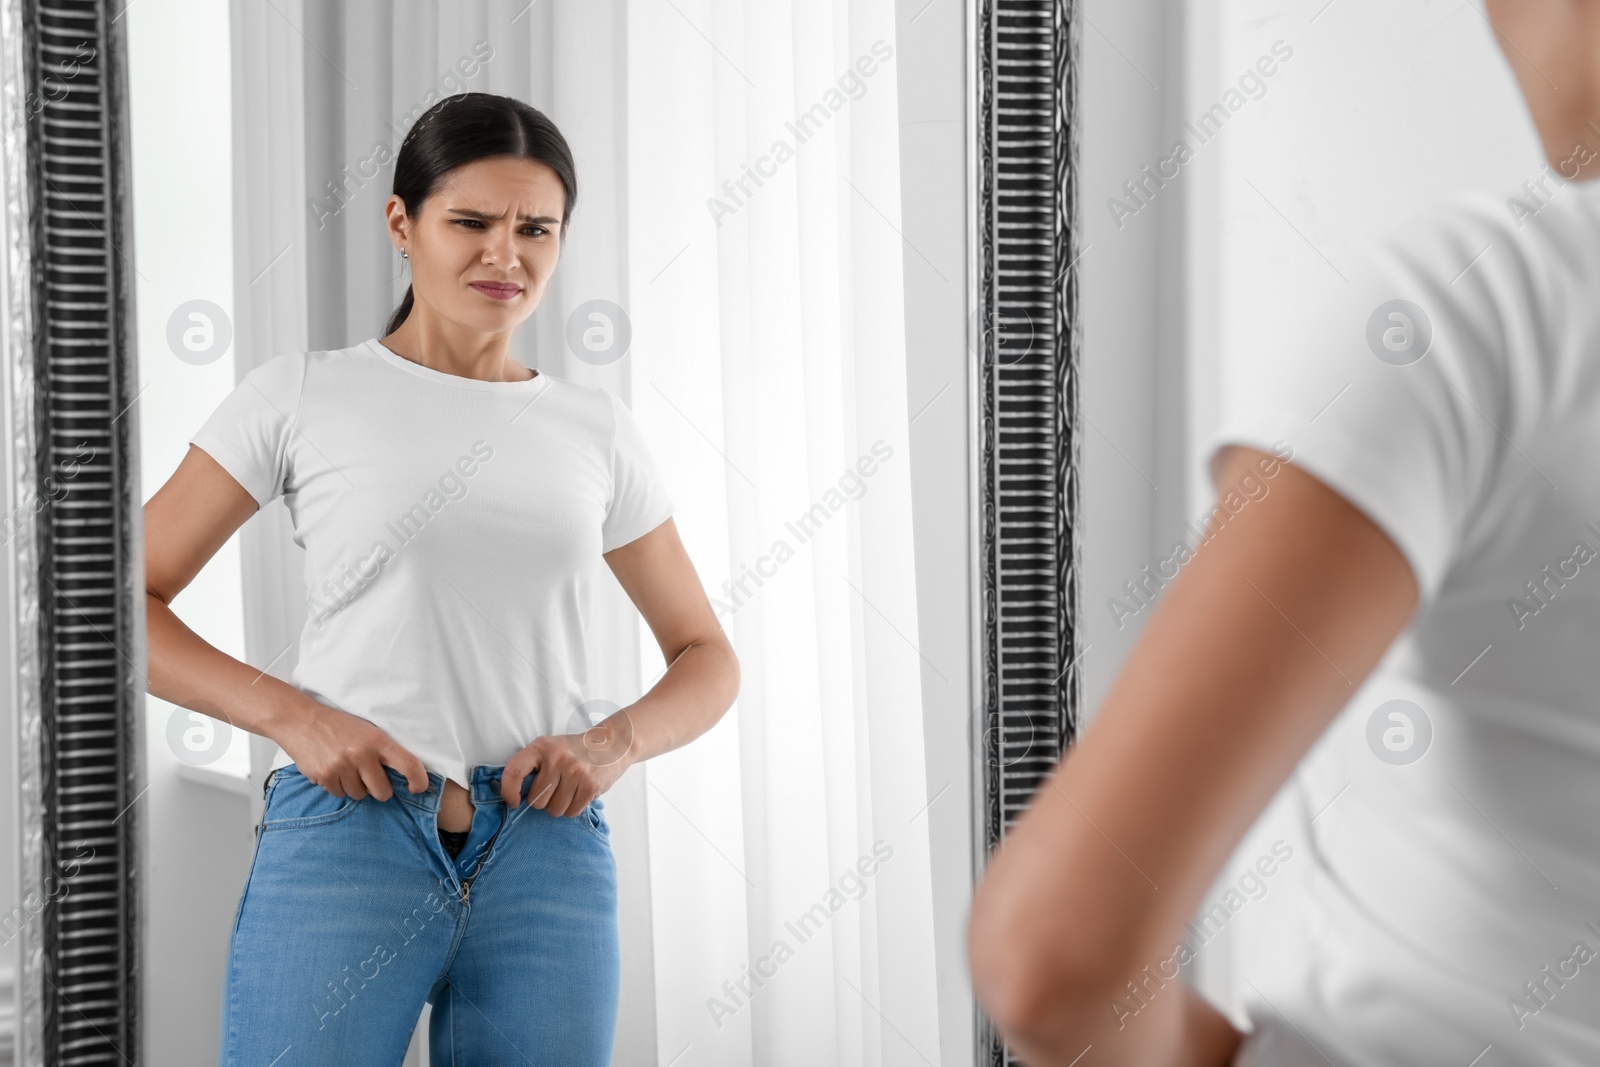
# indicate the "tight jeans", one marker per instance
pixel 354 915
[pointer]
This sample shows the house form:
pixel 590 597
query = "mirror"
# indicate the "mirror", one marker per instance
pixel 760 315
pixel 811 304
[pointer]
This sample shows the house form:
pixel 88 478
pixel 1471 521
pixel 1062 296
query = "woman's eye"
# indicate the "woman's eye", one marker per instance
pixel 475 222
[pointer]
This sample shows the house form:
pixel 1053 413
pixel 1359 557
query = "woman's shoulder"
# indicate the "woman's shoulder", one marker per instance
pixel 1445 343
pixel 293 365
pixel 1492 259
pixel 1498 299
pixel 276 381
pixel 596 404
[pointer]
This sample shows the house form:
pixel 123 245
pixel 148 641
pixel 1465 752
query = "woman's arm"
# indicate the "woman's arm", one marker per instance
pixel 185 522
pixel 1255 647
pixel 702 676
pixel 701 681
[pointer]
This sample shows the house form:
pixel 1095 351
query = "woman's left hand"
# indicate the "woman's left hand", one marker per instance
pixel 570 770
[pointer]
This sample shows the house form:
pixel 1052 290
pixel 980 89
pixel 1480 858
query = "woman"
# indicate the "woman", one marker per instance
pixel 1406 609
pixel 433 830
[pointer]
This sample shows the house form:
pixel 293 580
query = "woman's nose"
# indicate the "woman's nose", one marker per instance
pixel 500 249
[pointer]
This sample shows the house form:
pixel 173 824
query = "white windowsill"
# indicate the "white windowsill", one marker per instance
pixel 217 778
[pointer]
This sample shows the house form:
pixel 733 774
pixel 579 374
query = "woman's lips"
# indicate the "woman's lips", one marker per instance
pixel 497 290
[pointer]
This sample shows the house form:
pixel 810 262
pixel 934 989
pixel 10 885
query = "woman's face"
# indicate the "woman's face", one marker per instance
pixel 495 220
pixel 1553 47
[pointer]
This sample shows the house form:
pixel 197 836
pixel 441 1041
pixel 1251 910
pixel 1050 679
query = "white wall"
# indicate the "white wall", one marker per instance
pixel 183 251
pixel 1130 290
pixel 195 854
pixel 1142 66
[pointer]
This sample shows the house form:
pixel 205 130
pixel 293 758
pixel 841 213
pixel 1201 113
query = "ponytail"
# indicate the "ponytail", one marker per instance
pixel 399 314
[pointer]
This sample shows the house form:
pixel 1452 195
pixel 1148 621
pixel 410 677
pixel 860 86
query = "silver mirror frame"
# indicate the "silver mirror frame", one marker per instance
pixel 1026 445
pixel 74 545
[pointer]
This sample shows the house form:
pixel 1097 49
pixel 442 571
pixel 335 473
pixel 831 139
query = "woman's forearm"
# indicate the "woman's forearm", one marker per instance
pixel 1165 1023
pixel 1075 949
pixel 185 670
pixel 696 691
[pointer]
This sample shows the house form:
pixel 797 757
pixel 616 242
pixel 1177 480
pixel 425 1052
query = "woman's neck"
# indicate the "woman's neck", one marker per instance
pixel 450 350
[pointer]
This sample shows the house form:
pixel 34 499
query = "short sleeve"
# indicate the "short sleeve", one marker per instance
pixel 249 432
pixel 640 500
pixel 1390 387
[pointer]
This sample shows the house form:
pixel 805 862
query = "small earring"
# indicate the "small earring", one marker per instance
pixel 404 254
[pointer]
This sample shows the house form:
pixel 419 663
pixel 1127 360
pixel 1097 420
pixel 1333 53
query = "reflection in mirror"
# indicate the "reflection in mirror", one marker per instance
pixel 540 652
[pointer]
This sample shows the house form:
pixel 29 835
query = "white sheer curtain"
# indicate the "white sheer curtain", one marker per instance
pixel 767 363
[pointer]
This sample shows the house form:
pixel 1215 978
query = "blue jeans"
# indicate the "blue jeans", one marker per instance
pixel 354 915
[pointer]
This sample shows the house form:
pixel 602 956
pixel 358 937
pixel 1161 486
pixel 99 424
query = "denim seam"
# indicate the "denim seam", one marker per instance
pixel 303 821
pixel 416 800
pixel 451 993
pixel 232 1036
pixel 273 781
pixel 590 817
pixel 450 957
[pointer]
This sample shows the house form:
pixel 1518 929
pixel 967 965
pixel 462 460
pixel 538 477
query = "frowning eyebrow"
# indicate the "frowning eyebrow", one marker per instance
pixel 540 220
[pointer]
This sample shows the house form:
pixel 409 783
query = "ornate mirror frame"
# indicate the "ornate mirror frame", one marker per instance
pixel 1026 445
pixel 74 555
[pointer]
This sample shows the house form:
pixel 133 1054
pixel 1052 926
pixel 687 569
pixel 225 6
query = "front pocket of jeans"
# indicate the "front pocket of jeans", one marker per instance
pixel 596 823
pixel 295 801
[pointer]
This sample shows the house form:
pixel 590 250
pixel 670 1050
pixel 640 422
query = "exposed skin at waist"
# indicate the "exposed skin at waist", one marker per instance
pixel 455 807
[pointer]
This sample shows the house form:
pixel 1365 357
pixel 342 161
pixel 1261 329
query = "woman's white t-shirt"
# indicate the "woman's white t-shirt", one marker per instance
pixel 1453 839
pixel 453 529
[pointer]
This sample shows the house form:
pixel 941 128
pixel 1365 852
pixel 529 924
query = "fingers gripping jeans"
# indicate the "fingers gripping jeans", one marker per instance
pixel 354 916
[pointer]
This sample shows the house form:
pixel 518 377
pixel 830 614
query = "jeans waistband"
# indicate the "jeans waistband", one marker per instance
pixel 485 786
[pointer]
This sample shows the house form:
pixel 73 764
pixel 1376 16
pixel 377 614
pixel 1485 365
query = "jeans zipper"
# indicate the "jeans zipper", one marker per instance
pixel 466 887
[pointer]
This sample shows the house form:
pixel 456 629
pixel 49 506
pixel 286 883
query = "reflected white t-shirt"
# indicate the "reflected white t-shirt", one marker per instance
pixel 1454 901
pixel 453 529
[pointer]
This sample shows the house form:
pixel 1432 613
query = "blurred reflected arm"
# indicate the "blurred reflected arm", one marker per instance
pixel 1256 645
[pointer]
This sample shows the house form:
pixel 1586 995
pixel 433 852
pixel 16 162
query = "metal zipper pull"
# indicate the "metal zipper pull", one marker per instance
pixel 466 887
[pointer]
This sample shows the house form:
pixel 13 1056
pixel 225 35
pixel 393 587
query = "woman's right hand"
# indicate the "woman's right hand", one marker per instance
pixel 345 754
